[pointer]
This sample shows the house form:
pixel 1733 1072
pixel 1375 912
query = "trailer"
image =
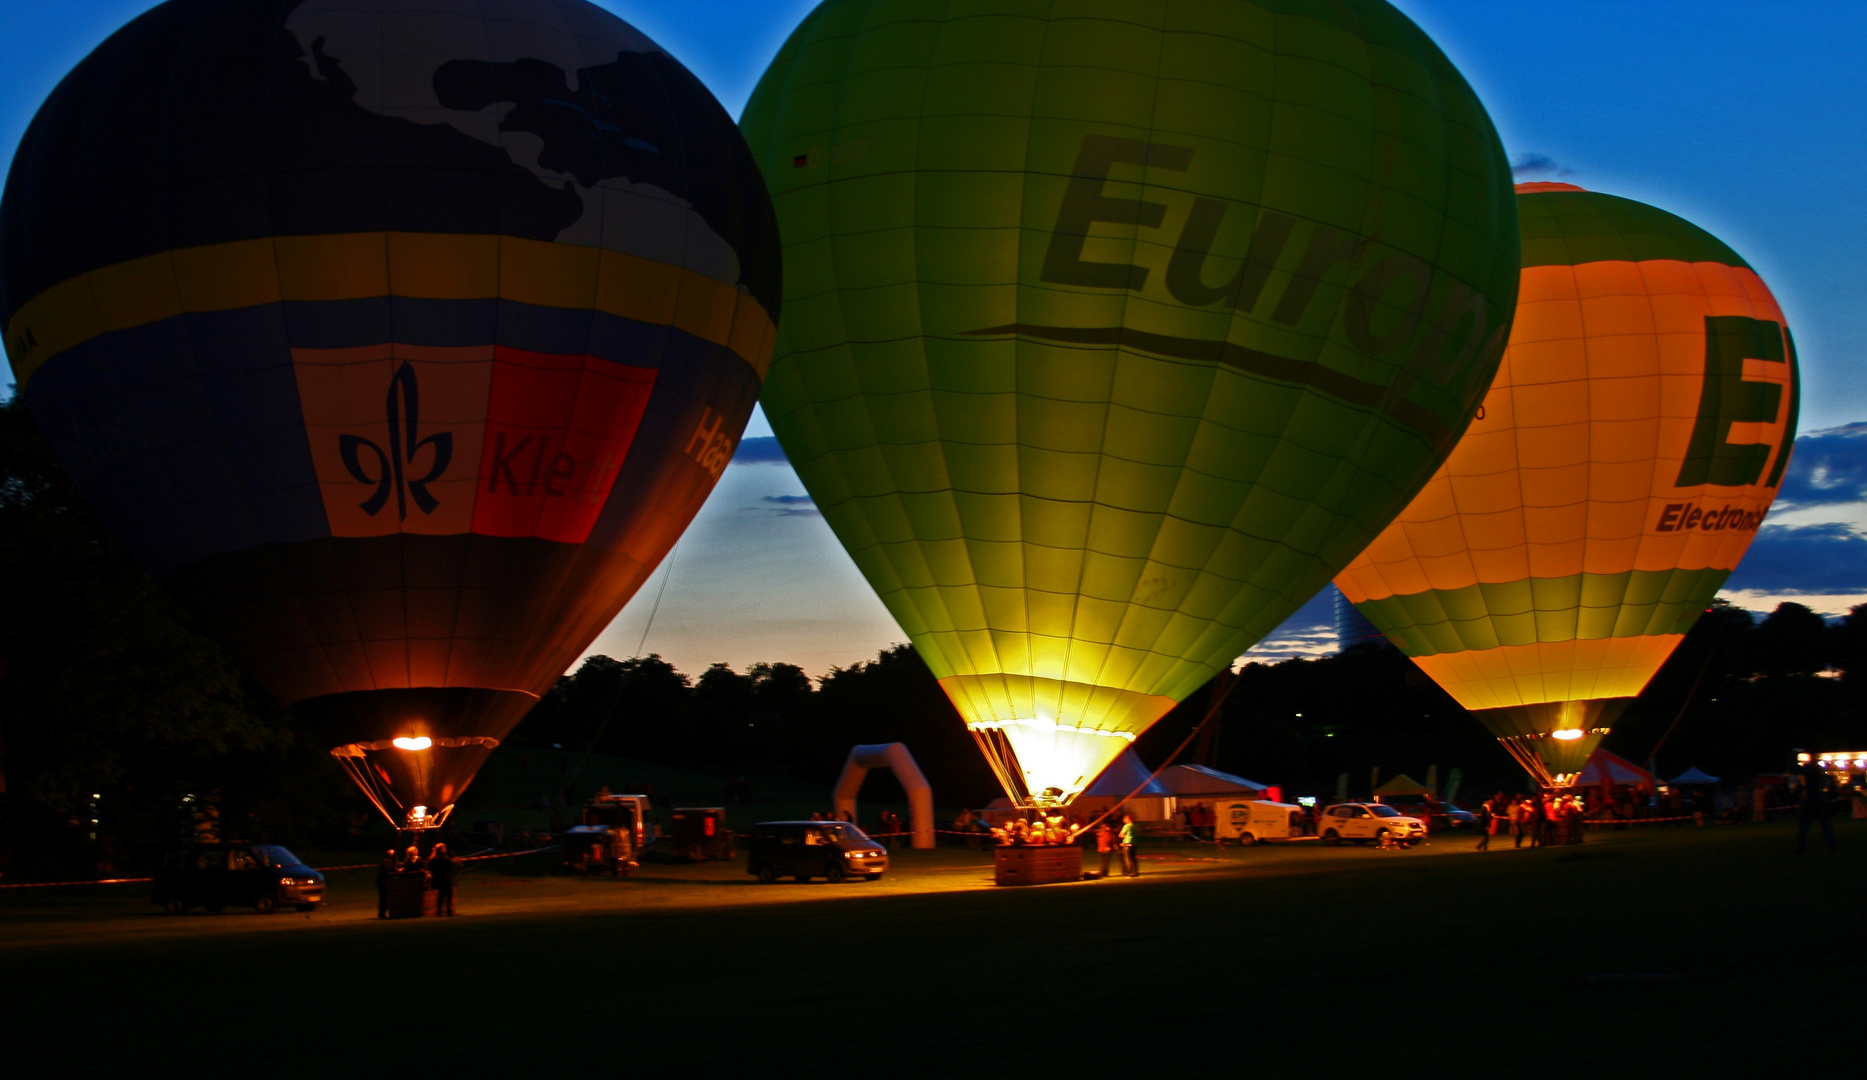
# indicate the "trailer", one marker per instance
pixel 1259 821
pixel 610 836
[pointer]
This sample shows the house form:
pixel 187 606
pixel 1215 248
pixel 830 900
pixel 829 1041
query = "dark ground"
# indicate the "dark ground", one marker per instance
pixel 1672 951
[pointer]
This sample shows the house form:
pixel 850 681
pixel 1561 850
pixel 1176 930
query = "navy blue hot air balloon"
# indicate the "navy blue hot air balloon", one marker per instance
pixel 399 339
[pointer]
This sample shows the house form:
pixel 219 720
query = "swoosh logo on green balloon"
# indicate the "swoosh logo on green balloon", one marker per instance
pixel 1254 361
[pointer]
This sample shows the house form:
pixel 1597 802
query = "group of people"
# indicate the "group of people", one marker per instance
pixel 1545 820
pixel 1201 819
pixel 438 871
pixel 1056 829
pixel 1038 830
pixel 1109 840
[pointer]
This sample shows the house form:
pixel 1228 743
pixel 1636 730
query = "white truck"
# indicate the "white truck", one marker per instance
pixel 1259 821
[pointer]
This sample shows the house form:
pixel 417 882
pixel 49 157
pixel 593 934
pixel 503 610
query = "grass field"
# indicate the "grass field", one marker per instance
pixel 1675 951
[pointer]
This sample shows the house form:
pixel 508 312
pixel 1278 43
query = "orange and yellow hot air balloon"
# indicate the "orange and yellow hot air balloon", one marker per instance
pixel 1627 451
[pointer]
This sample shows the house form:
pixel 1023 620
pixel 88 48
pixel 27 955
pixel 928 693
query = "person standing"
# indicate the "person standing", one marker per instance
pixel 1519 817
pixel 1130 864
pixel 385 868
pixel 1814 805
pixel 1105 846
pixel 441 870
pixel 1485 820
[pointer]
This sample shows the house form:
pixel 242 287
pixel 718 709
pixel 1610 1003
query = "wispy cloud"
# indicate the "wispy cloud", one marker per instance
pixel 759 450
pixel 791 506
pixel 1785 559
pixel 1528 166
pixel 1827 467
pixel 1289 642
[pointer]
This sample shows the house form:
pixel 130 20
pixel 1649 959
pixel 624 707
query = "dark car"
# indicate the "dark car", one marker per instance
pixel 264 877
pixel 831 850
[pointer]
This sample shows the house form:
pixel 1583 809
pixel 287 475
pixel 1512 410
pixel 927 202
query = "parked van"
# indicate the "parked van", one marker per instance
pixel 832 850
pixel 264 877
pixel 1259 821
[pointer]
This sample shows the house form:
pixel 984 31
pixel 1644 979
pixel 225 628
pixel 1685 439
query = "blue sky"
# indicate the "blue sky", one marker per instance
pixel 1745 118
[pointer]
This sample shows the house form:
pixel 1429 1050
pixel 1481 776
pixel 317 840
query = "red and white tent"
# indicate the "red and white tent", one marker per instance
pixel 1613 769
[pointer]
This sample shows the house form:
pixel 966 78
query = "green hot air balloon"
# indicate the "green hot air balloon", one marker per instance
pixel 1114 329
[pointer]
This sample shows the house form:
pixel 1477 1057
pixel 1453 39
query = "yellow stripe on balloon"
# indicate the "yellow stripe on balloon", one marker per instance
pixel 1549 670
pixel 360 266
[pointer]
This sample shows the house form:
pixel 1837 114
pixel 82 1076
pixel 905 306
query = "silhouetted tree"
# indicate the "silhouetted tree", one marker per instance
pixel 1848 640
pixel 1792 640
pixel 112 712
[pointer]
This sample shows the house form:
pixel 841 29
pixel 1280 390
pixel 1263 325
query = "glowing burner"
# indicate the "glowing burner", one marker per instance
pixel 417 742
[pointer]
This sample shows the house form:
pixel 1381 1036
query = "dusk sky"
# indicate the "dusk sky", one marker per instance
pixel 1744 118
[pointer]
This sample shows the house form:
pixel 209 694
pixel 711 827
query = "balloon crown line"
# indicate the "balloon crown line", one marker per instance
pixel 1039 722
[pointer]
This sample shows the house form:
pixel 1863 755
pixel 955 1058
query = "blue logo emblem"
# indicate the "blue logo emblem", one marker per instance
pixel 403 409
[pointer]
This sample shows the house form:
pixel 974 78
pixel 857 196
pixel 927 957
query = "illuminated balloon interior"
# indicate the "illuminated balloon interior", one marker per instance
pixel 1098 372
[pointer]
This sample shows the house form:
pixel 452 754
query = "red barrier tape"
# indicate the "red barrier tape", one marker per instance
pixel 1602 823
pixel 320 869
pixel 55 884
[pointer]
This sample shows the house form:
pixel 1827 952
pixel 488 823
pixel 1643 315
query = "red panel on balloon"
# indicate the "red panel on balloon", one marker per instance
pixel 557 429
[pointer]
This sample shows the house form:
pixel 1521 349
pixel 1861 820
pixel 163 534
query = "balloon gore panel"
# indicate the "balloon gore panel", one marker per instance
pixel 401 344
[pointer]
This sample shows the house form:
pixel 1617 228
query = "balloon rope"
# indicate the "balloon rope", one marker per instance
pixel 659 593
pixel 1212 711
pixel 1711 653
pixel 622 685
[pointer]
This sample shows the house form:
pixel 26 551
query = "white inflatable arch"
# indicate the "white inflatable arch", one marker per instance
pixel 894 756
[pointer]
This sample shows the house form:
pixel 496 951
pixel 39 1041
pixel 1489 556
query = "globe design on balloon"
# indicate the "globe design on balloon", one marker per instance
pixel 1113 332
pixel 400 340
pixel 1629 448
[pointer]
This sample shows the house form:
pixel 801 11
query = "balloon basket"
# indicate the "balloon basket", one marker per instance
pixel 1044 864
pixel 410 896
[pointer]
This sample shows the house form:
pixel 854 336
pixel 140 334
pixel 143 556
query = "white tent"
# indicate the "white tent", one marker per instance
pixel 1152 803
pixel 1123 775
pixel 1202 782
pixel 1694 776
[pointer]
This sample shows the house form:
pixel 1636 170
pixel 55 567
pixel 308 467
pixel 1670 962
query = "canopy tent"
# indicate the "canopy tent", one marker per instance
pixel 1694 775
pixel 1604 768
pixel 1126 773
pixel 1202 782
pixel 1403 785
pixel 1123 775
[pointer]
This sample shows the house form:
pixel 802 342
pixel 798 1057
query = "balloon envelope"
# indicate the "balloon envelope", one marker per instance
pixel 1112 334
pixel 1634 437
pixel 401 342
